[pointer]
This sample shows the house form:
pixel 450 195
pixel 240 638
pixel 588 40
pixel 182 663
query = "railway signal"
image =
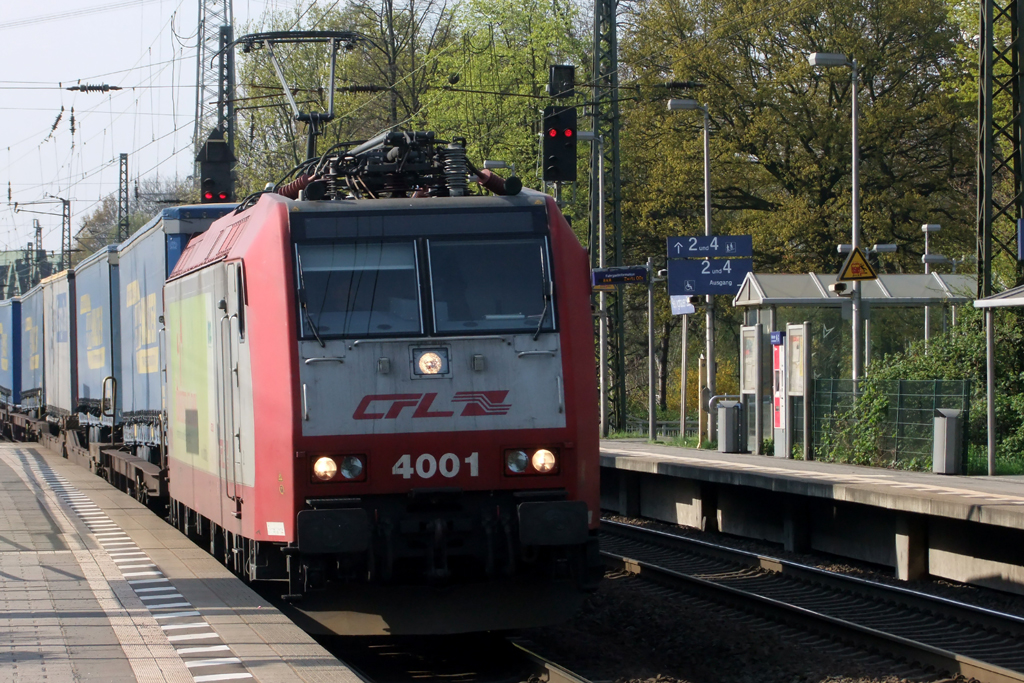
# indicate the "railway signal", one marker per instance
pixel 215 161
pixel 561 79
pixel 559 146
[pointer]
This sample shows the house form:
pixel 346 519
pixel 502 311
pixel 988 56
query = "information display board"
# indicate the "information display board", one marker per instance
pixel 621 275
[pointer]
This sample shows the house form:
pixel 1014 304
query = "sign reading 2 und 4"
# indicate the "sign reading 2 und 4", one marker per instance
pixel 727 246
pixel 707 276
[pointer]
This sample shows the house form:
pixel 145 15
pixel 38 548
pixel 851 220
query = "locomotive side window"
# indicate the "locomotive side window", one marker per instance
pixel 358 289
pixel 491 285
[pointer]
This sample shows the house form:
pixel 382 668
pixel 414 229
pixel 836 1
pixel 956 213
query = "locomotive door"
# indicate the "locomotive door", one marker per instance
pixel 228 305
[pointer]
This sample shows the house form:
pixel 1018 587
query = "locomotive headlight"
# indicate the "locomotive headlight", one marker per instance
pixel 428 362
pixel 325 468
pixel 544 461
pixel 517 461
pixel 351 467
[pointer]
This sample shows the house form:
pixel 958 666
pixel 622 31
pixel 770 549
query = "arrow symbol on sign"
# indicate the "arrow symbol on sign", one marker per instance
pixel 679 247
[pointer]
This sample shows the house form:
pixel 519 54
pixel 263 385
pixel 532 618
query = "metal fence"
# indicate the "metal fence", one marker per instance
pixel 638 426
pixel 907 430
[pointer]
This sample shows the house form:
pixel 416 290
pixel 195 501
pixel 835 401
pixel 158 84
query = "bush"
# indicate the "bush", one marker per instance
pixel 863 434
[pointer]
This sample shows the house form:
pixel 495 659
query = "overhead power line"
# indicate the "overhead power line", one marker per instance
pixel 18 23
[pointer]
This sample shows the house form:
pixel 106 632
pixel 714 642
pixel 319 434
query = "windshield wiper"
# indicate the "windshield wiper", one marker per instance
pixel 302 302
pixel 547 293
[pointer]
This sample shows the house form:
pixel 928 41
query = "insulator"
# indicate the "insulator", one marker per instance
pixel 332 180
pixel 456 170
pixel 291 190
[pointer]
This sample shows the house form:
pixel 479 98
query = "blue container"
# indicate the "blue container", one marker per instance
pixel 99 358
pixel 10 351
pixel 144 262
pixel 60 367
pixel 32 342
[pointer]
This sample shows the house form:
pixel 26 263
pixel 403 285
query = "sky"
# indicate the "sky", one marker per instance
pixel 148 48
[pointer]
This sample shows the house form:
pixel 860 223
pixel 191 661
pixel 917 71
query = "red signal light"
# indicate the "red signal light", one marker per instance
pixel 552 133
pixel 568 132
pixel 208 195
pixel 223 195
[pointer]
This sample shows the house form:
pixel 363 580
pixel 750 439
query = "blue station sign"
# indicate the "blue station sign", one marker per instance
pixel 695 277
pixel 716 246
pixel 621 275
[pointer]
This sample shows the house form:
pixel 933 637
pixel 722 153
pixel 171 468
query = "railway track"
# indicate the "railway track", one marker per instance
pixel 933 631
pixel 473 658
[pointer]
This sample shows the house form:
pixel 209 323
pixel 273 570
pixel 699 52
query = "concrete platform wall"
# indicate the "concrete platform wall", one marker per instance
pixel 915 546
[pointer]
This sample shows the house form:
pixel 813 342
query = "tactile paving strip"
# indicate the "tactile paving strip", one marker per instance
pixel 202 650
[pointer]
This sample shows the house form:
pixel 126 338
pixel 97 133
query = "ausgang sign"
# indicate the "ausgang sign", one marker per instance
pixel 695 277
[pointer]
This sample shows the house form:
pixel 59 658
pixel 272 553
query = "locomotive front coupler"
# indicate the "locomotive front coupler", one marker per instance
pixel 437 553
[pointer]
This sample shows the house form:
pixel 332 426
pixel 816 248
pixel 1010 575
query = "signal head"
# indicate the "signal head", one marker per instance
pixel 559 144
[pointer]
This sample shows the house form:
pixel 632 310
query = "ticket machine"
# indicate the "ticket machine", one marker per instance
pixel 752 385
pixel 798 385
pixel 779 423
pixel 782 405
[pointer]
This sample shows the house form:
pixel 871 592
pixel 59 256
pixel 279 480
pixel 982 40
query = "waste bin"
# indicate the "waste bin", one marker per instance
pixel 731 435
pixel 948 442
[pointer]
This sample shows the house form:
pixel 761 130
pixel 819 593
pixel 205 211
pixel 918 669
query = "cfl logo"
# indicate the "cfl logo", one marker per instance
pixel 391 406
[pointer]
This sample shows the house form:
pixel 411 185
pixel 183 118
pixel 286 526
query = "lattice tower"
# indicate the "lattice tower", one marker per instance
pixel 1000 163
pixel 210 102
pixel 607 123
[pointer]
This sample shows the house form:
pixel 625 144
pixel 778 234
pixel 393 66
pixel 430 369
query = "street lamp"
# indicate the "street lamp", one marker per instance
pixel 928 259
pixel 602 326
pixel 876 249
pixel 829 60
pixel 691 105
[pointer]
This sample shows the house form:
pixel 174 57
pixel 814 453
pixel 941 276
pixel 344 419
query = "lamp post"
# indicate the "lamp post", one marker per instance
pixel 928 259
pixel 690 105
pixel 602 324
pixel 828 60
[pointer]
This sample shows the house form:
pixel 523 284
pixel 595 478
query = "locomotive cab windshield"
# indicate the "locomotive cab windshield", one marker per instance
pixel 470 277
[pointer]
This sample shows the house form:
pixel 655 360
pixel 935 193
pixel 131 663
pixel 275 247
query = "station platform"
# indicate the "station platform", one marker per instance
pixel 95 587
pixel 969 529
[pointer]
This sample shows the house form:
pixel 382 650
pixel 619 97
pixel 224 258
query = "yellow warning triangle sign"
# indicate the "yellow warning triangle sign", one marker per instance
pixel 856 267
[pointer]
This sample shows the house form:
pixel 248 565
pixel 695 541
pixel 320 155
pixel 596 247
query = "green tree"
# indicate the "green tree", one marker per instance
pixel 380 81
pixel 780 145
pixel 148 197
pixel 490 84
pixel 781 132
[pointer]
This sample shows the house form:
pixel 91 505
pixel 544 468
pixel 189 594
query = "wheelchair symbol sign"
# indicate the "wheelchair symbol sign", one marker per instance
pixel 690 285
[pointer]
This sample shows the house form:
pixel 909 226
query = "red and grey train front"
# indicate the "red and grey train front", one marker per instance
pixel 445 362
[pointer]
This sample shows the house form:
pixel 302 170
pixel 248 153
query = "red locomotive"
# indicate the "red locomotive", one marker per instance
pixel 382 391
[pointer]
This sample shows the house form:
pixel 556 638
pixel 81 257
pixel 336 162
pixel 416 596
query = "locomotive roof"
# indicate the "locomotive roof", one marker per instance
pixel 526 198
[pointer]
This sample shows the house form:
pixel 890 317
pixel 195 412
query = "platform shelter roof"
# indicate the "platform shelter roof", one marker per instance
pixel 1011 297
pixel 812 289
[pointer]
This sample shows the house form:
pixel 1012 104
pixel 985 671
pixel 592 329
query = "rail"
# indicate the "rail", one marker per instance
pixel 471 658
pixel 935 631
